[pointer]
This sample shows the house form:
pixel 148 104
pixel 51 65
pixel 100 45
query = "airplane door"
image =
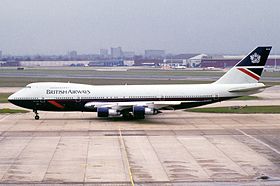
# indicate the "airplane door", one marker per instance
pixel 42 101
pixel 162 98
pixel 77 104
pixel 78 99
pixel 215 97
pixel 39 103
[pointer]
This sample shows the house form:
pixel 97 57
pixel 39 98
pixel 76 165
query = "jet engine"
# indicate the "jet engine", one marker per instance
pixel 140 111
pixel 106 112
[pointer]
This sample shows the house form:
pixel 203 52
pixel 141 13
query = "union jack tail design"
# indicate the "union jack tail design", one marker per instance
pixel 249 69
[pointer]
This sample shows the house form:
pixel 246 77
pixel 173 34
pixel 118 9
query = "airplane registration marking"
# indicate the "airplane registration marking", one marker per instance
pixel 5 117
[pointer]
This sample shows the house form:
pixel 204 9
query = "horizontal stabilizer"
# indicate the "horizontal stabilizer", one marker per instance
pixel 246 89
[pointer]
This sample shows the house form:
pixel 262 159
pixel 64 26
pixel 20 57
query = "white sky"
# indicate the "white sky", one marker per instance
pixel 177 26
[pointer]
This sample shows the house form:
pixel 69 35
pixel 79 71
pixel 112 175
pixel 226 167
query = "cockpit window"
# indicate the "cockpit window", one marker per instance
pixel 28 87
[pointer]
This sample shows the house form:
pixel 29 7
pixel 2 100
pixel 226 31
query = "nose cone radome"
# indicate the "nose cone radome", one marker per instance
pixel 11 97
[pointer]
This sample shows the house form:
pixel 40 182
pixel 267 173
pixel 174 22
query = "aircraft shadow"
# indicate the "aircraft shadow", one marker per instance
pixel 113 119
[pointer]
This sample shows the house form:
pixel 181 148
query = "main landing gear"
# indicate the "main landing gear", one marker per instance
pixel 36 115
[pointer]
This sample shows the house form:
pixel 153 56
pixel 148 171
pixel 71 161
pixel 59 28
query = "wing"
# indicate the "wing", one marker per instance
pixel 126 105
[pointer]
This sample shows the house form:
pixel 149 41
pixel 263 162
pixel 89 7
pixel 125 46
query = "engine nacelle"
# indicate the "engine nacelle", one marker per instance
pixel 106 112
pixel 150 111
pixel 140 111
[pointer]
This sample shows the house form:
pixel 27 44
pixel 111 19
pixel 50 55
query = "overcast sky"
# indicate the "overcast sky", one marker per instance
pixel 177 26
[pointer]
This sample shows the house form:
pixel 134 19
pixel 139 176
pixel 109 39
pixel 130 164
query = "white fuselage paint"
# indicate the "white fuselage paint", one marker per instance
pixel 58 91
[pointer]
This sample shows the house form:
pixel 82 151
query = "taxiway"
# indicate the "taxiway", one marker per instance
pixel 171 149
pixel 174 148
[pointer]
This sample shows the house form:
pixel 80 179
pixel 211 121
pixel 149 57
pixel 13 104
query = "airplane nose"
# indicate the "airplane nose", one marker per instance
pixel 11 97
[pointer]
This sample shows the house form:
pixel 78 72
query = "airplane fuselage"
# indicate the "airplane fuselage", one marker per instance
pixel 74 97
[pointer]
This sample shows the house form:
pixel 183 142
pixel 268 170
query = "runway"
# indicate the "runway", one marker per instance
pixel 175 148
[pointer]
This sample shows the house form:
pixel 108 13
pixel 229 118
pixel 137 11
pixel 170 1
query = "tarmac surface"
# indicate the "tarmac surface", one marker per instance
pixel 173 148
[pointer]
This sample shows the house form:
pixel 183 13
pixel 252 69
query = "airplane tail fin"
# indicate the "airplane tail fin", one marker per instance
pixel 249 69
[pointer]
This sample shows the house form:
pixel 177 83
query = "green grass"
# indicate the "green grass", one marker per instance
pixel 239 110
pixel 243 98
pixel 4 97
pixel 12 111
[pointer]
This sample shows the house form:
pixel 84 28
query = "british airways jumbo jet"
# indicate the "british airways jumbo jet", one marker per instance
pixel 139 100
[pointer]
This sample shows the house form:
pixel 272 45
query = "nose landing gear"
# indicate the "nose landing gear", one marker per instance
pixel 36 115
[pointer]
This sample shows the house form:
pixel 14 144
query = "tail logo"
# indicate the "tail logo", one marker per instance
pixel 251 73
pixel 255 58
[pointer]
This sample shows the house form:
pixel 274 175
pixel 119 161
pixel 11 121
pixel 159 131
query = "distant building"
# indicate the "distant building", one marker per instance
pixel 185 56
pixel 10 64
pixel 72 54
pixel 230 61
pixel 104 53
pixel 128 54
pixel 195 61
pixel 148 62
pixel 53 63
pixel 116 52
pixel 128 63
pixel 172 62
pixel 107 63
pixel 177 60
pixel 154 54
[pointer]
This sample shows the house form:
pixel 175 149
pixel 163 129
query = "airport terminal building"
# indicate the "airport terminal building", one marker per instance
pixel 230 61
pixel 186 60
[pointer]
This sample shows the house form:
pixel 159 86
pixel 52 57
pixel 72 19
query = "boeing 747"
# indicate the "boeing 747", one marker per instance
pixel 140 100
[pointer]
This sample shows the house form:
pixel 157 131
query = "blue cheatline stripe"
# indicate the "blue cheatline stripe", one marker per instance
pixel 257 71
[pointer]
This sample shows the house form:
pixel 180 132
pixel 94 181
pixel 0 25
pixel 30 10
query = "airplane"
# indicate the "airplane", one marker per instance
pixel 137 101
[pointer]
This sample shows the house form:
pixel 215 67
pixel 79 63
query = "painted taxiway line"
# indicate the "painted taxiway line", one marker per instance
pixel 126 157
pixel 259 141
pixel 5 117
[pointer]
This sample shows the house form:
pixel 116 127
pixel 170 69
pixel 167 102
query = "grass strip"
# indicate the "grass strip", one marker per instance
pixel 4 97
pixel 247 98
pixel 12 111
pixel 239 110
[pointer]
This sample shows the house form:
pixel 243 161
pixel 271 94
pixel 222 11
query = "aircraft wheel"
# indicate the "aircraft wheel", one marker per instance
pixel 37 117
pixel 127 116
pixel 139 117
